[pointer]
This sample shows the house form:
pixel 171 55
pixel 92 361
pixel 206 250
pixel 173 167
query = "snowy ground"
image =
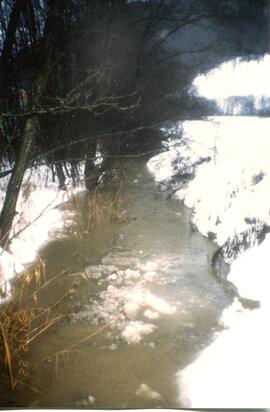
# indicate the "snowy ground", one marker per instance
pixel 38 219
pixel 224 170
pixel 230 170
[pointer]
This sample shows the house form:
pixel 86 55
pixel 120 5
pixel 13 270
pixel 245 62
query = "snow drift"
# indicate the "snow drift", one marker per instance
pixel 37 220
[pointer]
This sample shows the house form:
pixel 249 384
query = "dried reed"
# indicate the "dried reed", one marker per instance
pixel 95 208
pixel 22 322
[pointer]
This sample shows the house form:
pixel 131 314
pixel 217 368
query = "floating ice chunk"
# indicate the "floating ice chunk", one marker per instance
pixel 84 403
pixel 145 391
pixel 132 274
pixel 120 272
pixel 135 330
pixel 91 399
pixel 132 307
pixel 159 305
pixel 112 277
pixel 113 346
pixel 150 314
pixel 150 276
pixel 109 269
pixel 149 266
pixel 139 298
pixel 94 271
pixel 112 289
pixel 119 260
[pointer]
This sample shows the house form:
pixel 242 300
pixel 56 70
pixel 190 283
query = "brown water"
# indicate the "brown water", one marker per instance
pixel 155 290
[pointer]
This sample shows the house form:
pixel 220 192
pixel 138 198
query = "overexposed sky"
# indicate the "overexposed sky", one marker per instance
pixel 236 78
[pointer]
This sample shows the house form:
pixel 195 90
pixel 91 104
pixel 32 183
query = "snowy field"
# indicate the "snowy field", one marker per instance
pixel 225 163
pixel 37 220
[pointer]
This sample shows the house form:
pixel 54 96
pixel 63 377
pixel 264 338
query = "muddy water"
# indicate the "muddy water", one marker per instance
pixel 149 280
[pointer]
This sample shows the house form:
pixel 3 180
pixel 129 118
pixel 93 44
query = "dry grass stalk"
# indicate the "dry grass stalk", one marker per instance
pixel 58 359
pixel 7 356
pixel 21 323
pixel 63 354
pixel 23 320
pixel 62 357
pixel 95 208
pixel 103 209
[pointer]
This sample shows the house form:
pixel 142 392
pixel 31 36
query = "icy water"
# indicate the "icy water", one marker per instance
pixel 148 281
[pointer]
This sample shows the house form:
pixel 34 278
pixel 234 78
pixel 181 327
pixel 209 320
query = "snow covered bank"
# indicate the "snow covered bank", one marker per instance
pixel 37 220
pixel 233 371
pixel 221 168
pixel 228 160
pixel 238 86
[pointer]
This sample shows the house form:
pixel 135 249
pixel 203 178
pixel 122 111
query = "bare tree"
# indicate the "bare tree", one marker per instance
pixel 31 124
pixel 103 70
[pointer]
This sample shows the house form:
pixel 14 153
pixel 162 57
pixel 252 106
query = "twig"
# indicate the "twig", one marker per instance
pixel 7 356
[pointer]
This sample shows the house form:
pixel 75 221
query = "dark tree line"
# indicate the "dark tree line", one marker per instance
pixel 97 72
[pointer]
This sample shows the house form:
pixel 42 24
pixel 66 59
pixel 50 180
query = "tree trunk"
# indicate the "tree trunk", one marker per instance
pixel 91 175
pixel 7 71
pixel 9 209
pixel 31 126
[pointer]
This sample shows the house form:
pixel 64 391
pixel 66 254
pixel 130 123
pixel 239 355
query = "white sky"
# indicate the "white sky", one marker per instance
pixel 236 78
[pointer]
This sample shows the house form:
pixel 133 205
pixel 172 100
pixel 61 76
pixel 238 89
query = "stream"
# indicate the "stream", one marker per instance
pixel 145 322
pixel 147 282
